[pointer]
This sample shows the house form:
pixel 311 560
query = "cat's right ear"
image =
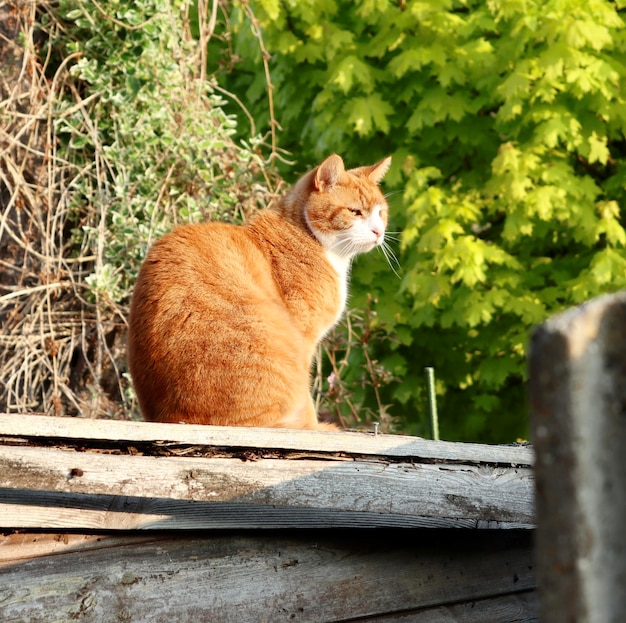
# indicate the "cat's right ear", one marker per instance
pixel 328 173
pixel 377 172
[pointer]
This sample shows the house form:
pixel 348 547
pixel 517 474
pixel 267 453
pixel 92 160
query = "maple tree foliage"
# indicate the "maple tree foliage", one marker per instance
pixel 506 121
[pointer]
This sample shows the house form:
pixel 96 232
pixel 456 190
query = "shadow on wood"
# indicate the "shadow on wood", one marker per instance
pixel 310 576
pixel 127 521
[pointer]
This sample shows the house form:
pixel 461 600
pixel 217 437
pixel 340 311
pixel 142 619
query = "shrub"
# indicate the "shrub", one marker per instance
pixel 507 122
pixel 131 139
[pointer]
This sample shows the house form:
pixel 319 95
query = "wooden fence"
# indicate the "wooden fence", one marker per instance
pixel 129 521
pixel 578 401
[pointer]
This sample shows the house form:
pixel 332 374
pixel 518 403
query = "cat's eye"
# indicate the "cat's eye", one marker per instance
pixel 356 211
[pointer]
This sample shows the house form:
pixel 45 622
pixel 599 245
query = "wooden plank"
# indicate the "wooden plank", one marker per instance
pixel 578 400
pixel 17 547
pixel 317 578
pixel 42 427
pixel 520 608
pixel 57 488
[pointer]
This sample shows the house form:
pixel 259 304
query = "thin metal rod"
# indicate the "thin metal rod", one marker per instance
pixel 432 403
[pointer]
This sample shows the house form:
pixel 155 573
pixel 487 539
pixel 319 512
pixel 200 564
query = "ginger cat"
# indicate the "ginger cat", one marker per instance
pixel 225 319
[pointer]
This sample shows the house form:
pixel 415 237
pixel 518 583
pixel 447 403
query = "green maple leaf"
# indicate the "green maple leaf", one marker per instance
pixel 369 113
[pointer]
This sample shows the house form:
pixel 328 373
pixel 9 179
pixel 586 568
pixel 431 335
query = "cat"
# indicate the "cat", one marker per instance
pixel 225 319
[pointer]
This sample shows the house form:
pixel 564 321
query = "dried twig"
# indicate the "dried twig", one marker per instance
pixel 266 57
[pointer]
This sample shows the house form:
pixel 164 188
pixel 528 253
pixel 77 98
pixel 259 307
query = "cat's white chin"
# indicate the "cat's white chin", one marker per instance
pixel 355 243
pixel 371 245
pixel 348 251
pixel 363 245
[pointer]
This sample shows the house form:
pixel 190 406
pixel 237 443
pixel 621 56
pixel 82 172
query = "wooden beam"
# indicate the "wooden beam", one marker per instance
pixel 316 577
pixel 44 487
pixel 33 427
pixel 578 400
pixel 134 496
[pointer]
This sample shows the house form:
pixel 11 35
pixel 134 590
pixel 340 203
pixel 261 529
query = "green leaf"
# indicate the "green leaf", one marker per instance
pixel 351 70
pixel 609 268
pixel 598 150
pixel 369 113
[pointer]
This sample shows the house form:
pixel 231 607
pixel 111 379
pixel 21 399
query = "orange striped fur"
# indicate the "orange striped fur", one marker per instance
pixel 225 319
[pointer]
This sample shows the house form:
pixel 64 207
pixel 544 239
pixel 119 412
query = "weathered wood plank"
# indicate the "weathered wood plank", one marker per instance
pixel 578 400
pixel 54 488
pixel 518 608
pixel 395 577
pixel 17 547
pixel 42 427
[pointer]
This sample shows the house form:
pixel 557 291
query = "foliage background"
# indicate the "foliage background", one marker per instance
pixel 111 134
pixel 506 121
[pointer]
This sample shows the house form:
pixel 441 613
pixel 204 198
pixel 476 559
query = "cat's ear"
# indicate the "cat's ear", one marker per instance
pixel 328 173
pixel 377 171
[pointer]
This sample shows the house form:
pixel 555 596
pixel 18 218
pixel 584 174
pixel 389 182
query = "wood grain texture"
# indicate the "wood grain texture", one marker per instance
pixel 164 526
pixel 44 487
pixel 312 577
pixel 577 368
pixel 31 427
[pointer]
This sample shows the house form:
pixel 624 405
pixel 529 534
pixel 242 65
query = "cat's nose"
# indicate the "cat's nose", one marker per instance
pixel 378 232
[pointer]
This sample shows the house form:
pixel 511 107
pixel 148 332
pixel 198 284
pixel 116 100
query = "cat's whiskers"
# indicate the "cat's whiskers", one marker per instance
pixel 345 245
pixel 391 193
pixel 390 236
pixel 390 256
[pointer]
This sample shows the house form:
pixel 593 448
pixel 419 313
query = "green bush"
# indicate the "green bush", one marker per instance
pixel 132 139
pixel 506 120
pixel 148 133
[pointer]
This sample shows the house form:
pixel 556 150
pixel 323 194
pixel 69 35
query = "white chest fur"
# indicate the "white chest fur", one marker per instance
pixel 341 265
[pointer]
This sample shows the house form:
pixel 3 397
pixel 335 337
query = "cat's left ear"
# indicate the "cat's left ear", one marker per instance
pixel 328 173
pixel 375 172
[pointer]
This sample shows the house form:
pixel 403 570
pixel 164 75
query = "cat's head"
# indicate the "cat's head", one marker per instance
pixel 345 209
